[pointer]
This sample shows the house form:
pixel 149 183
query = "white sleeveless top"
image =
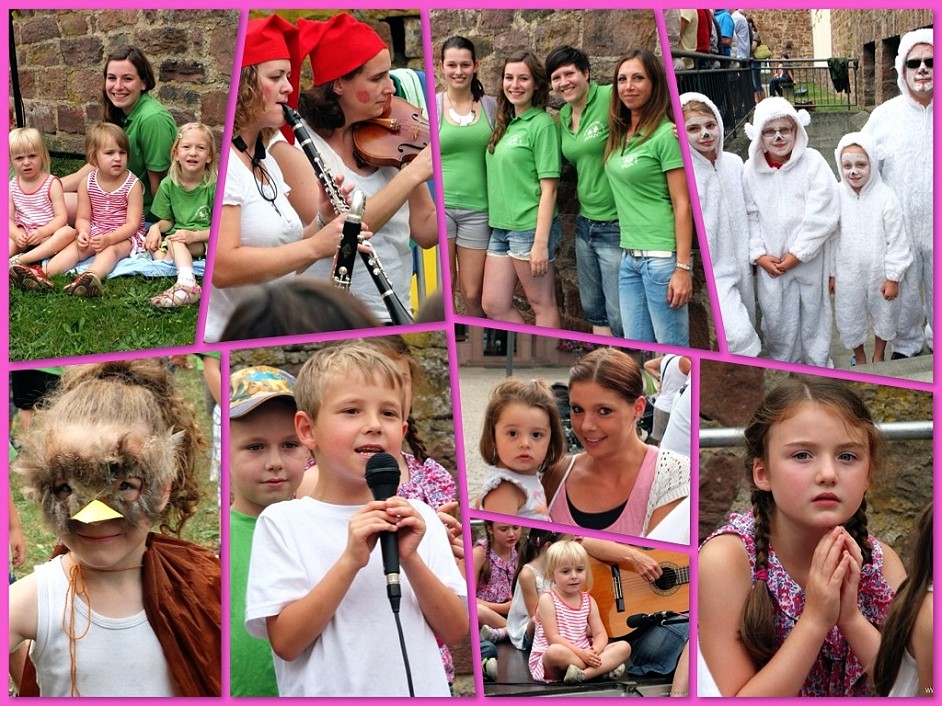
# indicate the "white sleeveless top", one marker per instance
pixel 116 657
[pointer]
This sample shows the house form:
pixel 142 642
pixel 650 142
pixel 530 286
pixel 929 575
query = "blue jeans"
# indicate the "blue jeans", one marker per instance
pixel 598 256
pixel 657 648
pixel 642 293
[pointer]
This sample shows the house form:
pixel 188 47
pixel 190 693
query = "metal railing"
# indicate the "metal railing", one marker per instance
pixel 892 431
pixel 806 83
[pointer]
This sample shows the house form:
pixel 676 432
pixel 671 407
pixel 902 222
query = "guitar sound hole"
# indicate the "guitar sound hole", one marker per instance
pixel 667 582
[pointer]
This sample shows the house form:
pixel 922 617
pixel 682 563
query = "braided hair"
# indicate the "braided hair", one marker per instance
pixel 756 629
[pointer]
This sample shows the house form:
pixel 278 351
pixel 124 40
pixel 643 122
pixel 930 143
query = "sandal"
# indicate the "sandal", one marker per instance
pixel 178 295
pixel 29 277
pixel 85 285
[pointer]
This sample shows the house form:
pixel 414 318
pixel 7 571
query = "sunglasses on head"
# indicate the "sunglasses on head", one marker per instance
pixel 914 63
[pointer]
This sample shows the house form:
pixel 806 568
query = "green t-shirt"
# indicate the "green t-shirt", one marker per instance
pixel 251 668
pixel 151 131
pixel 527 152
pixel 638 180
pixel 585 148
pixel 189 210
pixel 464 174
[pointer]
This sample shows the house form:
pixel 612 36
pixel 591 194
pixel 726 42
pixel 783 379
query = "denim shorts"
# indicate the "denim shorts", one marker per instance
pixel 518 243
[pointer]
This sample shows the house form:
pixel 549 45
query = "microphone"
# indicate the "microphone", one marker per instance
pixel 643 620
pixel 382 477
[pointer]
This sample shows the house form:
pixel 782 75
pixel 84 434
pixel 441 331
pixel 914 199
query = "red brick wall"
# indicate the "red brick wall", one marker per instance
pixel 60 60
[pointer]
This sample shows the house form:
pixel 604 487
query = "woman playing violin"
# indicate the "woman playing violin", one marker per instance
pixel 351 65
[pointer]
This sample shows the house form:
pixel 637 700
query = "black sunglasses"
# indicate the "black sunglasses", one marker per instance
pixel 914 63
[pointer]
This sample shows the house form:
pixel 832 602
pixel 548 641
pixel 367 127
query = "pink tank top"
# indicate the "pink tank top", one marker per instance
pixel 33 209
pixel 631 520
pixel 110 209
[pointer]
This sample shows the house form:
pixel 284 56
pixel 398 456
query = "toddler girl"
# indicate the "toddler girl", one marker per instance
pixel 871 251
pixel 120 610
pixel 184 205
pixel 904 661
pixel 109 219
pixel 793 592
pixel 522 436
pixel 719 186
pixel 570 642
pixel 530 582
pixel 495 562
pixel 38 227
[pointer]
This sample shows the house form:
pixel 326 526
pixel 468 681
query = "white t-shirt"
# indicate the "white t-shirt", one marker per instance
pixel 262 225
pixel 295 544
pixel 391 242
pixel 517 617
pixel 115 656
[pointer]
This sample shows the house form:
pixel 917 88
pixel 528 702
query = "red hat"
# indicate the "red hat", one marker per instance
pixel 338 46
pixel 269 39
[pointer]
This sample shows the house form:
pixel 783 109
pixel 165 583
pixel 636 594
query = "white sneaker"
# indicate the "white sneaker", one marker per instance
pixel 574 675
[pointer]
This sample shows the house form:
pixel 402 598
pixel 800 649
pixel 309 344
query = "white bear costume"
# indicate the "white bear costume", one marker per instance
pixel 719 186
pixel 871 247
pixel 792 209
pixel 902 130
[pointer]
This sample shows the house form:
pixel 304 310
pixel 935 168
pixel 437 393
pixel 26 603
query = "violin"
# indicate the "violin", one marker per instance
pixel 393 139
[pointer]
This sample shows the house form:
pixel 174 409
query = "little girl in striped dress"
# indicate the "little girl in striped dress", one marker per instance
pixel 38 227
pixel 110 216
pixel 570 642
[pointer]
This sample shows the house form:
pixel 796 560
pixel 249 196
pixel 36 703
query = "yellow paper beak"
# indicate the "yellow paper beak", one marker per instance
pixel 96 511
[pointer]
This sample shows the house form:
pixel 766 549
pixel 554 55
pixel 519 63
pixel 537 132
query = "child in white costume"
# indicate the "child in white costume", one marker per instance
pixel 902 129
pixel 870 253
pixel 791 201
pixel 719 186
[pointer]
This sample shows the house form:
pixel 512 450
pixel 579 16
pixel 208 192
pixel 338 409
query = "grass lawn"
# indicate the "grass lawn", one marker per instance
pixel 202 528
pixel 53 324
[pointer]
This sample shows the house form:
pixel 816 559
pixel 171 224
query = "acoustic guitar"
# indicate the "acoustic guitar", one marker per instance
pixel 620 591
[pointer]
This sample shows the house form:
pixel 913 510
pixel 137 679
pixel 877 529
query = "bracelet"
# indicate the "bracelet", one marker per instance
pixel 682 266
pixel 319 221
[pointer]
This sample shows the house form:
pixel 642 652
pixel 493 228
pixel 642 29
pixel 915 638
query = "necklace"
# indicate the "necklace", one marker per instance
pixel 459 119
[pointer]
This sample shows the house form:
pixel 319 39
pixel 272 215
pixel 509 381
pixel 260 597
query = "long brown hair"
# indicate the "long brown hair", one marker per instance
pixel 144 71
pixel 612 369
pixel 902 615
pixel 505 109
pixel 652 113
pixel 756 629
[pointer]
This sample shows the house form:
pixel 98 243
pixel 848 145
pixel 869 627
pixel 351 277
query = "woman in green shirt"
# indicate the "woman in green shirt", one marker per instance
pixel 523 165
pixel 646 172
pixel 151 130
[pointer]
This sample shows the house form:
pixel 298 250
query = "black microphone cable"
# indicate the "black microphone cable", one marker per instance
pixel 382 477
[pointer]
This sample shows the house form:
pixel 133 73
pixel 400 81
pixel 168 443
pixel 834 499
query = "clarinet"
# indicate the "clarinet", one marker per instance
pixel 346 251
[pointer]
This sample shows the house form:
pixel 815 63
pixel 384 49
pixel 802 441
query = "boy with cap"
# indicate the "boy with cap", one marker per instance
pixel 266 464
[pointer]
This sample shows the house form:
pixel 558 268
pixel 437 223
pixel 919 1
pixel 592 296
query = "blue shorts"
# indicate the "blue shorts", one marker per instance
pixel 518 243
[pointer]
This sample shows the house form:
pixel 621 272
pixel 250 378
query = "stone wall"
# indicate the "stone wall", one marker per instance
pixel 604 35
pixel 60 60
pixel 873 35
pixel 729 394
pixel 777 27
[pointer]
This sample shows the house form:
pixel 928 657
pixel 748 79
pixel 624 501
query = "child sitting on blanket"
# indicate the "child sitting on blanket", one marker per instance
pixel 109 220
pixel 184 205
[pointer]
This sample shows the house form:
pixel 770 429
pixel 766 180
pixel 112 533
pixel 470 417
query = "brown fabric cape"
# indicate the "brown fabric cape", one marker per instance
pixel 181 584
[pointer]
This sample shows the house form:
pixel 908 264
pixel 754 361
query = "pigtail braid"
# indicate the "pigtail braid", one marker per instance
pixel 856 527
pixel 756 629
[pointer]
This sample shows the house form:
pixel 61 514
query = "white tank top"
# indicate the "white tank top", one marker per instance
pixel 116 657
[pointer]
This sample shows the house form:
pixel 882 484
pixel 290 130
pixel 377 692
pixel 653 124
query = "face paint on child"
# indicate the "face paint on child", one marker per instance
pixel 702 134
pixel 855 167
pixel 778 138
pixel 363 97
